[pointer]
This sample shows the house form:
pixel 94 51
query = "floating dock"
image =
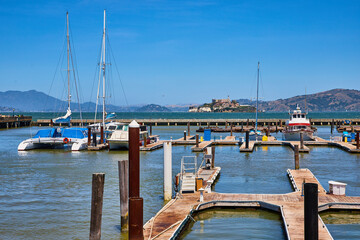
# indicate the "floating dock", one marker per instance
pixel 175 216
pixel 152 146
pixel 98 147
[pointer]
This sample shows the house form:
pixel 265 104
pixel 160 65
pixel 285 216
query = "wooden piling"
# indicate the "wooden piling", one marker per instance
pixel 184 135
pixel 145 141
pixel 296 156
pixel 213 156
pixel 197 140
pixel 89 136
pixel 135 201
pixel 123 167
pixel 188 129
pixel 98 180
pixel 311 222
pixel 150 129
pixel 301 140
pixel 247 139
pixel 231 130
pixel 94 139
pixel 332 126
pixel 101 134
pixel 357 140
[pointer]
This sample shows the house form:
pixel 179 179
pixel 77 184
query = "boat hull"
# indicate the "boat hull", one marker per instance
pixel 52 143
pixel 118 144
pixel 295 136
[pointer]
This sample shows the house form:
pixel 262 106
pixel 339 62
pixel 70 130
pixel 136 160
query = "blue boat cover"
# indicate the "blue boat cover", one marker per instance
pixel 74 132
pixel 62 132
pixel 110 116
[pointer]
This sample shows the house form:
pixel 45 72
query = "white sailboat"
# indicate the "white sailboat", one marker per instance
pixel 256 135
pixel 59 137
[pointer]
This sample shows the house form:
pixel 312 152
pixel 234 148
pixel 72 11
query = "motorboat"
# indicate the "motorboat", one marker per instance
pixel 119 138
pixel 74 139
pixel 297 124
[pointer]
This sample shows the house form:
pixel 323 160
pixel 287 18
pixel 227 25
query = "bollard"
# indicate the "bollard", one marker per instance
pixel 201 194
pixel 135 202
pixel 357 141
pixel 296 156
pixel 98 180
pixel 123 168
pixel 247 139
pixel 302 140
pixel 89 136
pixel 197 140
pixel 167 171
pixel 184 135
pixel 212 156
pixel 94 139
pixel 311 221
pixel 101 134
pixel 188 128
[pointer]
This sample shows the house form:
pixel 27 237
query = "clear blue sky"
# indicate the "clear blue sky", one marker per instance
pixel 170 52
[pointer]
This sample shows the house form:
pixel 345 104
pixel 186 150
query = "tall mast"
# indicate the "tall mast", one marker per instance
pixel 257 98
pixel 68 57
pixel 305 101
pixel 104 37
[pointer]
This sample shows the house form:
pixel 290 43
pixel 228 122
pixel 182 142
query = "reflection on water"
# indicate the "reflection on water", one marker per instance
pixel 236 224
pixel 45 194
pixel 342 224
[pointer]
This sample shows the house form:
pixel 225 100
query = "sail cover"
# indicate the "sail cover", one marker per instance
pixel 64 119
pixel 110 116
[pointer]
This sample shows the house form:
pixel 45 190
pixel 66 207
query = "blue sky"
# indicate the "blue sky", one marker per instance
pixel 171 52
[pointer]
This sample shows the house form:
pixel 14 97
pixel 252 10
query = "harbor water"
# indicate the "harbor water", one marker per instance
pixel 45 194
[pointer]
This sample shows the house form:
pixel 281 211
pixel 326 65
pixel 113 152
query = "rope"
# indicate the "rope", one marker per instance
pixel 152 223
pixel 167 229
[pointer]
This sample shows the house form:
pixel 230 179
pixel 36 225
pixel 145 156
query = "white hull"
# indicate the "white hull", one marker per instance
pixel 52 143
pixel 295 136
pixel 118 144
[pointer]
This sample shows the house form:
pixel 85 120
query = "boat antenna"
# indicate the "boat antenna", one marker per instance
pixel 257 98
pixel 305 102
pixel 68 57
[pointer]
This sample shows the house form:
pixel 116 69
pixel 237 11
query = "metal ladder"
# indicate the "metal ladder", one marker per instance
pixel 188 173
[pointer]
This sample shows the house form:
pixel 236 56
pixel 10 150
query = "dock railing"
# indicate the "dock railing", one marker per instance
pixel 188 166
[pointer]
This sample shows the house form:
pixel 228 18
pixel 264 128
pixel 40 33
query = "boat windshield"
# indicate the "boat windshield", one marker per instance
pixel 122 127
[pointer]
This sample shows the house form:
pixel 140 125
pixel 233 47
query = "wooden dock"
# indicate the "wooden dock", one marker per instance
pixel 173 218
pixel 7 121
pixel 202 146
pixel 152 146
pixel 98 147
pixel 291 144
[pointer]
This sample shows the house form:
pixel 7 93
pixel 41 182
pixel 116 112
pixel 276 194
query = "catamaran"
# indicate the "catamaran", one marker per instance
pixel 297 124
pixel 59 137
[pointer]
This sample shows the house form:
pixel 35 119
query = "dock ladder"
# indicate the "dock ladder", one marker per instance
pixel 188 173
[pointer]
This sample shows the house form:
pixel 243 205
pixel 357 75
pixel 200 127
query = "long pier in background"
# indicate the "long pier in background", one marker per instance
pixel 215 122
pixel 15 121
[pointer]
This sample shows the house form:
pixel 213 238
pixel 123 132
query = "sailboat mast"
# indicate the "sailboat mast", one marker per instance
pixel 257 98
pixel 104 37
pixel 68 57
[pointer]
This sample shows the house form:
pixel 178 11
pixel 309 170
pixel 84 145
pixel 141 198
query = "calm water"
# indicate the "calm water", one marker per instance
pixel 188 115
pixel 46 194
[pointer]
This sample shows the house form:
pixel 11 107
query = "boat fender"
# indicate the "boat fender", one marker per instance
pixel 65 140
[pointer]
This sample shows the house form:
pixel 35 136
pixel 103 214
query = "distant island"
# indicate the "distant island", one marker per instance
pixel 222 105
pixel 153 108
pixel 335 100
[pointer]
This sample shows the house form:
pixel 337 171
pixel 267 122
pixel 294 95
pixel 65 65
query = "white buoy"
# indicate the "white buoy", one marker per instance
pixel 167 171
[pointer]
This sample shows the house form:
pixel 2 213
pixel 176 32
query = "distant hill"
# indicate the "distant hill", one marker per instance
pixel 153 108
pixel 34 101
pixel 332 100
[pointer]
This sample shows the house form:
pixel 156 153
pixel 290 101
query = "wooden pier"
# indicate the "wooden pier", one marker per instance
pixel 152 146
pixel 175 216
pixel 213 122
pixel 98 147
pixel 7 121
pixel 202 146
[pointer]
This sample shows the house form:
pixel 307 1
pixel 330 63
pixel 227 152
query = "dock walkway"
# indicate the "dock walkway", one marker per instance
pixel 172 219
